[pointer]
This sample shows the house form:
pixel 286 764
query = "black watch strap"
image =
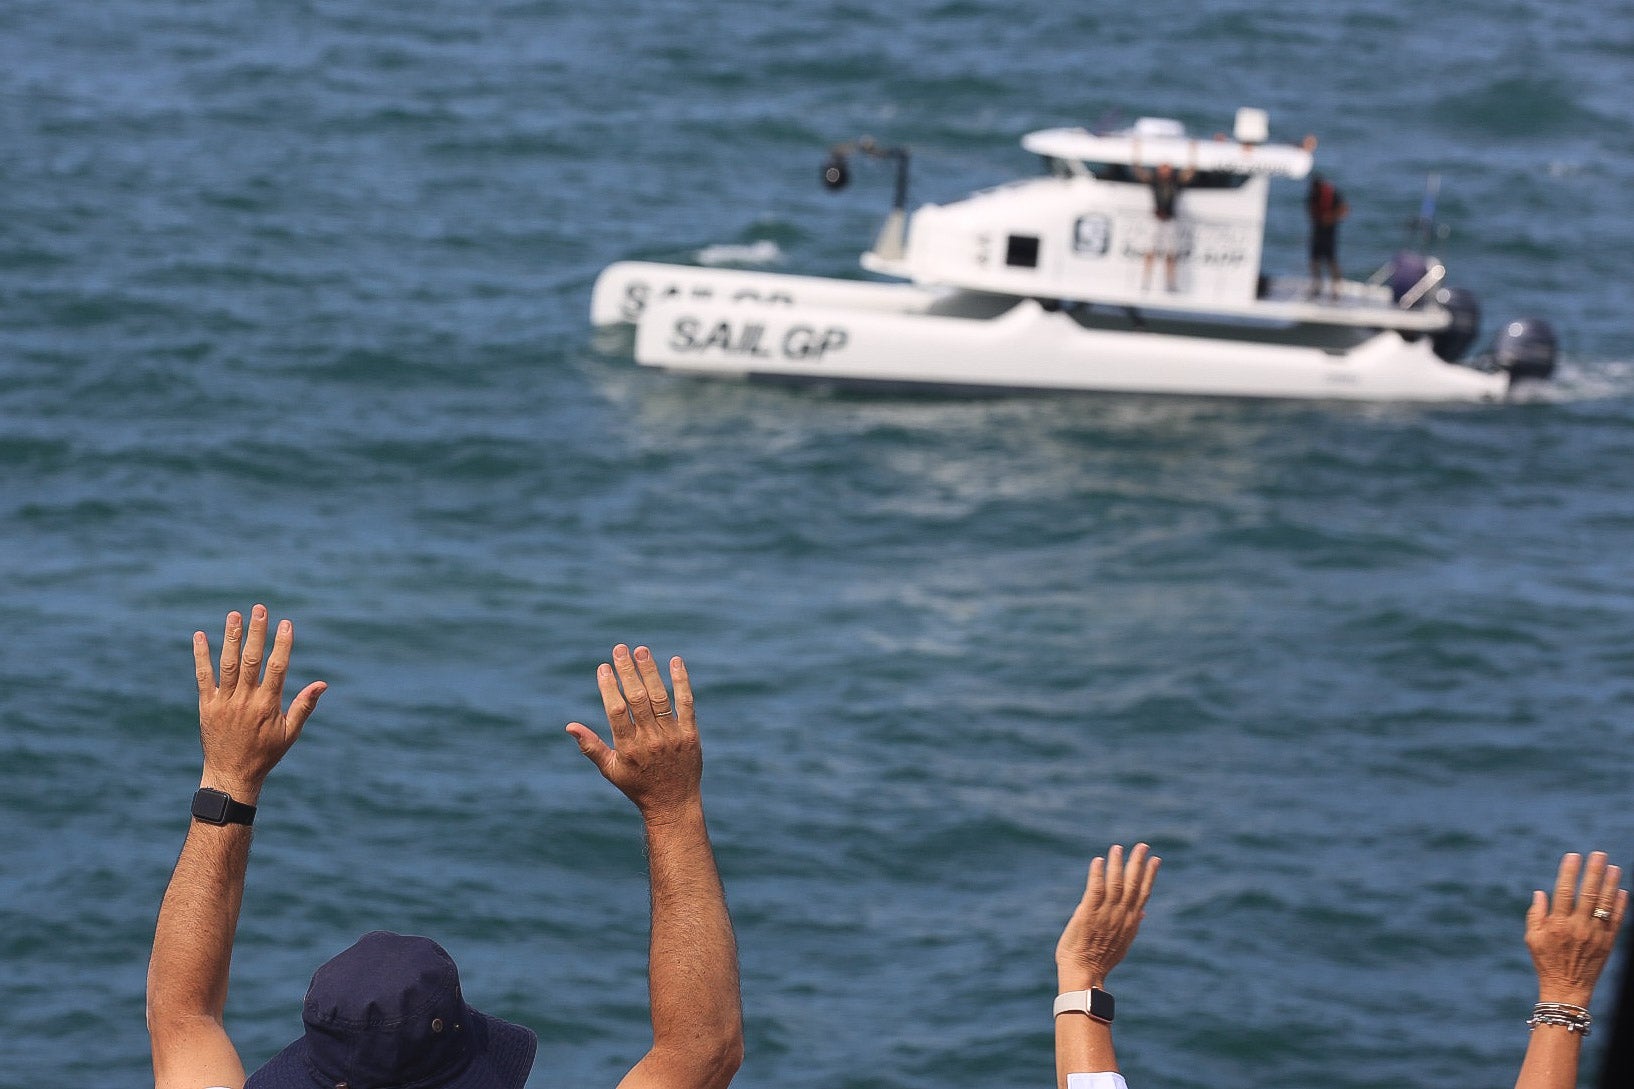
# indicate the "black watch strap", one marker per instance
pixel 214 806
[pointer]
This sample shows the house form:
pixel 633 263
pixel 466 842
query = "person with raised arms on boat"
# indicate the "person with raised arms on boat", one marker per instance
pixel 389 1010
pixel 1166 185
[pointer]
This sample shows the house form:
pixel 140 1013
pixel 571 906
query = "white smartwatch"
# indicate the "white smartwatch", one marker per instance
pixel 1095 1002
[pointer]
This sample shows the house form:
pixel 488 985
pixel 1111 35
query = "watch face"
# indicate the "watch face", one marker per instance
pixel 1100 1004
pixel 211 806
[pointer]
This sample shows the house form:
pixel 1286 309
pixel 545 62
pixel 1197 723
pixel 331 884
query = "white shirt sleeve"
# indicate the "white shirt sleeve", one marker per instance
pixel 1105 1079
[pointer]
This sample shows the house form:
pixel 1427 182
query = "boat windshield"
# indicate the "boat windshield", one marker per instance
pixel 1062 168
pixel 1203 179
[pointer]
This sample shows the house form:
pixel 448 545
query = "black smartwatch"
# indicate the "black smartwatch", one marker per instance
pixel 214 806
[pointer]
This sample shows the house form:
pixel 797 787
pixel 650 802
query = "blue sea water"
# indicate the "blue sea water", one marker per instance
pixel 293 309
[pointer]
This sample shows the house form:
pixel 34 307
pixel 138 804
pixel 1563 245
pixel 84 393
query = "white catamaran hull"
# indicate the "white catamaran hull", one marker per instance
pixel 737 323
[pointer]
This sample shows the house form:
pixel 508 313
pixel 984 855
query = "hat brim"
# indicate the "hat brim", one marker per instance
pixel 504 1057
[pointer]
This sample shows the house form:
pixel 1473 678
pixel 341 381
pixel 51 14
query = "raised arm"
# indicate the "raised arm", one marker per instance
pixel 245 732
pixel 1101 929
pixel 1140 173
pixel 1570 938
pixel 692 972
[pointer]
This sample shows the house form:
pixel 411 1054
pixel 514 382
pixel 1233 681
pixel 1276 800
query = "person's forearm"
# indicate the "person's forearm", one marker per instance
pixel 1083 1045
pixel 198 918
pixel 697 1012
pixel 1553 1051
pixel 187 976
pixel 1551 1059
pixel 193 940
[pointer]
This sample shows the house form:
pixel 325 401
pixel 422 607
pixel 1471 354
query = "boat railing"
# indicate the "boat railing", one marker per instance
pixel 1429 281
pixel 1409 295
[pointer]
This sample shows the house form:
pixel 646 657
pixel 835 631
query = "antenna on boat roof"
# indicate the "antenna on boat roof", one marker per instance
pixel 1423 229
pixel 836 175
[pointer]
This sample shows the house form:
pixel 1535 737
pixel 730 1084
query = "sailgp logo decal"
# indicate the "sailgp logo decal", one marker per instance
pixel 638 293
pixel 749 339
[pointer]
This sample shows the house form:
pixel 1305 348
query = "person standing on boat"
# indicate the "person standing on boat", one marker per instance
pixel 1326 207
pixel 1101 929
pixel 389 1010
pixel 1165 184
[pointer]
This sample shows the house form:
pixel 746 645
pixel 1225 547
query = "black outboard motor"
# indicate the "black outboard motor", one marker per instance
pixel 1465 309
pixel 1525 348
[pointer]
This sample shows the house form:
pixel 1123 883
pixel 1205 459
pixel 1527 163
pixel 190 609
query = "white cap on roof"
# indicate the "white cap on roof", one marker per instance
pixel 1253 126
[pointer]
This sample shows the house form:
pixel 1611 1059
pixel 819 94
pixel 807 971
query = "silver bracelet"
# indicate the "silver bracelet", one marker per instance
pixel 1574 1019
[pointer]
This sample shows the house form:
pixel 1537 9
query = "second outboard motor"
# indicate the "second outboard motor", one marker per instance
pixel 1452 342
pixel 1525 348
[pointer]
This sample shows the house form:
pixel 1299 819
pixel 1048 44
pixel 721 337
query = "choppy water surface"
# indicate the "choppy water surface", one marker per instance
pixel 293 309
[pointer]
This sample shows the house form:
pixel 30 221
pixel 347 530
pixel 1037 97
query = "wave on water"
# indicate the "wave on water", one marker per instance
pixel 1579 380
pixel 760 252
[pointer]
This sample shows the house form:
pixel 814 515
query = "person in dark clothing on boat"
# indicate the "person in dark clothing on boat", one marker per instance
pixel 1166 184
pixel 1326 207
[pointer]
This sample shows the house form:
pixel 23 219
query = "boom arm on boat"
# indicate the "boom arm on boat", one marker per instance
pixel 889 244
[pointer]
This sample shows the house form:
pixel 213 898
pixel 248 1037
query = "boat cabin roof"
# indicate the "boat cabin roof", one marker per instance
pixel 1162 141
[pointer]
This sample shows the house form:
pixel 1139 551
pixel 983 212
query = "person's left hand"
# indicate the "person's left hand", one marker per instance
pixel 242 724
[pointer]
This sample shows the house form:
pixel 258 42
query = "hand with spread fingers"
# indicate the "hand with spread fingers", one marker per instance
pixel 1570 936
pixel 243 726
pixel 655 759
pixel 692 961
pixel 245 731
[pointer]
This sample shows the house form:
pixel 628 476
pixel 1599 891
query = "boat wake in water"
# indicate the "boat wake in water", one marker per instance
pixel 760 252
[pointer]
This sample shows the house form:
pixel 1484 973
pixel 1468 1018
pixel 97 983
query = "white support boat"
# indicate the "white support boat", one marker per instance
pixel 1043 284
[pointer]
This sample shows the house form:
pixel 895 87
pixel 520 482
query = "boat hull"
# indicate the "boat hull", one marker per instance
pixel 737 323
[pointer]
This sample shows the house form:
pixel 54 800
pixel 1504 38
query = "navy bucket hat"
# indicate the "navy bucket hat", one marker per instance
pixel 387 1013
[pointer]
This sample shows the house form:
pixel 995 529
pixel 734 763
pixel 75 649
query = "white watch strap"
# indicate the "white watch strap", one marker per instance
pixel 1077 1002
pixel 1071 1002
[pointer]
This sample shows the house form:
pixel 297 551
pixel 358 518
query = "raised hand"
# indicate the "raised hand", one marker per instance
pixel 1570 937
pixel 656 759
pixel 242 722
pixel 1104 924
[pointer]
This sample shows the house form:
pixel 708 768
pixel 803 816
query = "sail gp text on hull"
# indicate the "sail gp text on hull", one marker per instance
pixel 749 340
pixel 638 294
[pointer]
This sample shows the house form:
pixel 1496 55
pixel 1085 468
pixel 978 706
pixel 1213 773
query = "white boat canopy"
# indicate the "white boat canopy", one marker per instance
pixel 1165 145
